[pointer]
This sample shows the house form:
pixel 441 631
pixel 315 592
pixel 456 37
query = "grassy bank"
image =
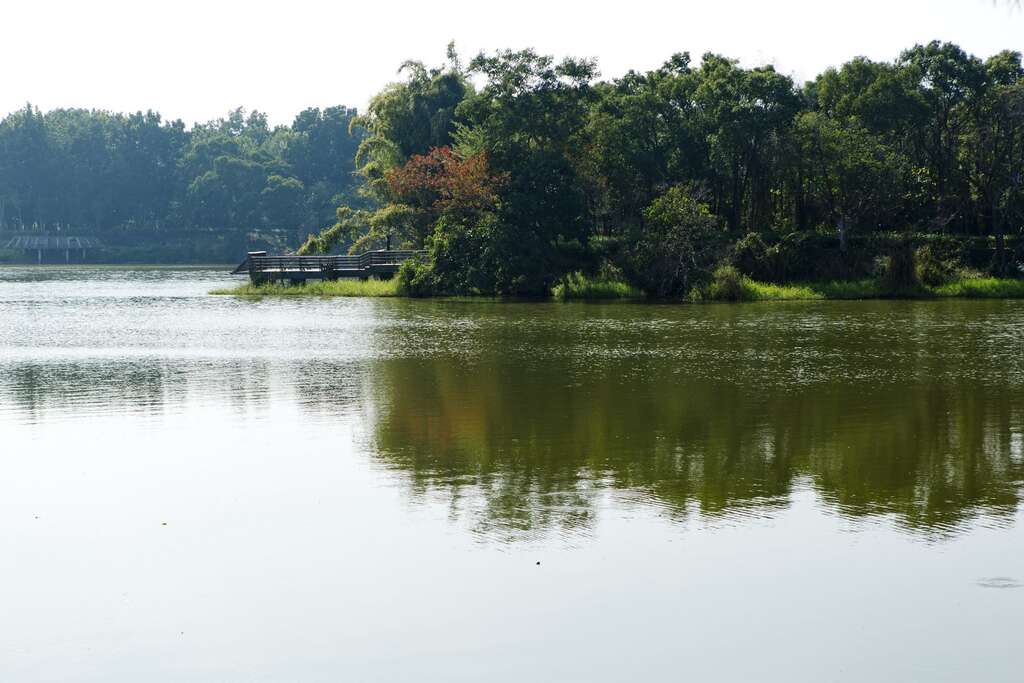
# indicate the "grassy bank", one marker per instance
pixel 579 288
pixel 741 288
pixel 751 290
pixel 317 288
pixel 983 288
pixel 974 288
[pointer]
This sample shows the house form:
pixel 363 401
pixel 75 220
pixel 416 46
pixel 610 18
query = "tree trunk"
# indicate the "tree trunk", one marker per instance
pixel 843 230
pixel 997 226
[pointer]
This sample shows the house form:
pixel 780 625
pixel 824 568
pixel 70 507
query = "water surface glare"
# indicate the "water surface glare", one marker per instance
pixel 200 488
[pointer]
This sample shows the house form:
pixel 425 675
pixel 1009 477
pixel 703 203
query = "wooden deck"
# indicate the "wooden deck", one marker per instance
pixel 380 264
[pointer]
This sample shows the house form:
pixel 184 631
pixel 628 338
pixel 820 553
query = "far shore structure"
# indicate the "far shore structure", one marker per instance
pixel 42 244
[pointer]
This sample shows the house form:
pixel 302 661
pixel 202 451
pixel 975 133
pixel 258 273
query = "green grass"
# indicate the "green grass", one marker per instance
pixel 578 286
pixel 766 291
pixel 983 288
pixel 317 288
pixel 973 288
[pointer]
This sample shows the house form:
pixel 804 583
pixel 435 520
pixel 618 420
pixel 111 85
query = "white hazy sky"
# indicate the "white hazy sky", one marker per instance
pixel 195 60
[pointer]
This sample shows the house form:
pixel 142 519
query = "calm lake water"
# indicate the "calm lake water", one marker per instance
pixel 199 488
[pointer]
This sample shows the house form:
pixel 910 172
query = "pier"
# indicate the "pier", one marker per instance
pixel 380 264
pixel 45 243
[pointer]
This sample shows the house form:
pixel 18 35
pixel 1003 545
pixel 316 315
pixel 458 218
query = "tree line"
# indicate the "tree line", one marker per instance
pixel 516 170
pixel 84 171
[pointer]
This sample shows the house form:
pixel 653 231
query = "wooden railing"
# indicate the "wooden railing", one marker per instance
pixel 258 264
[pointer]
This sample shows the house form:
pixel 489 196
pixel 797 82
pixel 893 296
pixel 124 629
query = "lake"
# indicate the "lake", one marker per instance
pixel 201 488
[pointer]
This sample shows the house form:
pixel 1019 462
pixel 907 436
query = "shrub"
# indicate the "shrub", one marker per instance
pixel 939 261
pixel 579 286
pixel 678 246
pixel 753 257
pixel 898 269
pixel 416 278
pixel 461 251
pixel 727 284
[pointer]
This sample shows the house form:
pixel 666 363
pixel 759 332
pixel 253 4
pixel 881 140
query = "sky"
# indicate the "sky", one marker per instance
pixel 196 60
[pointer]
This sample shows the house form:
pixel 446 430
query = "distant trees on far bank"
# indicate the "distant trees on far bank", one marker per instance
pixel 94 171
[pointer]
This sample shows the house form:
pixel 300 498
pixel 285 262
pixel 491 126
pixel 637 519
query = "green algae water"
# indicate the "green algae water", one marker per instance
pixel 209 488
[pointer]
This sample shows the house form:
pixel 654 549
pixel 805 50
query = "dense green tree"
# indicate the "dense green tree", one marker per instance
pixel 643 136
pixel 530 114
pixel 744 115
pixel 409 118
pixel 951 83
pixel 854 177
pixel 679 244
pixel 321 146
pixel 27 163
pixel 992 148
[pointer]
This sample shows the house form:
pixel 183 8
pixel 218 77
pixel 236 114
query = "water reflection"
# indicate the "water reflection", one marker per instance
pixel 519 452
pixel 64 389
pixel 934 456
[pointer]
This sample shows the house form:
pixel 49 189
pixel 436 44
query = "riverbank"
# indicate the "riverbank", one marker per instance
pixel 974 288
pixel 578 288
pixel 375 288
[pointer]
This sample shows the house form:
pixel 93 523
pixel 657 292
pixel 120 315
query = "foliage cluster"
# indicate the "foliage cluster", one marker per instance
pixel 515 172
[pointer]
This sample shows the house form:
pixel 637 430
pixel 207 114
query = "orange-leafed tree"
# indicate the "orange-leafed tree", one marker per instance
pixel 441 183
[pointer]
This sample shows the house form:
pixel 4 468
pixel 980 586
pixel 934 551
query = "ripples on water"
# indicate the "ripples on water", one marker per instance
pixel 908 408
pixel 797 430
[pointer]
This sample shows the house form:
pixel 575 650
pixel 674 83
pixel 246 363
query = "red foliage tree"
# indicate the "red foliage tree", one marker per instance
pixel 441 181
